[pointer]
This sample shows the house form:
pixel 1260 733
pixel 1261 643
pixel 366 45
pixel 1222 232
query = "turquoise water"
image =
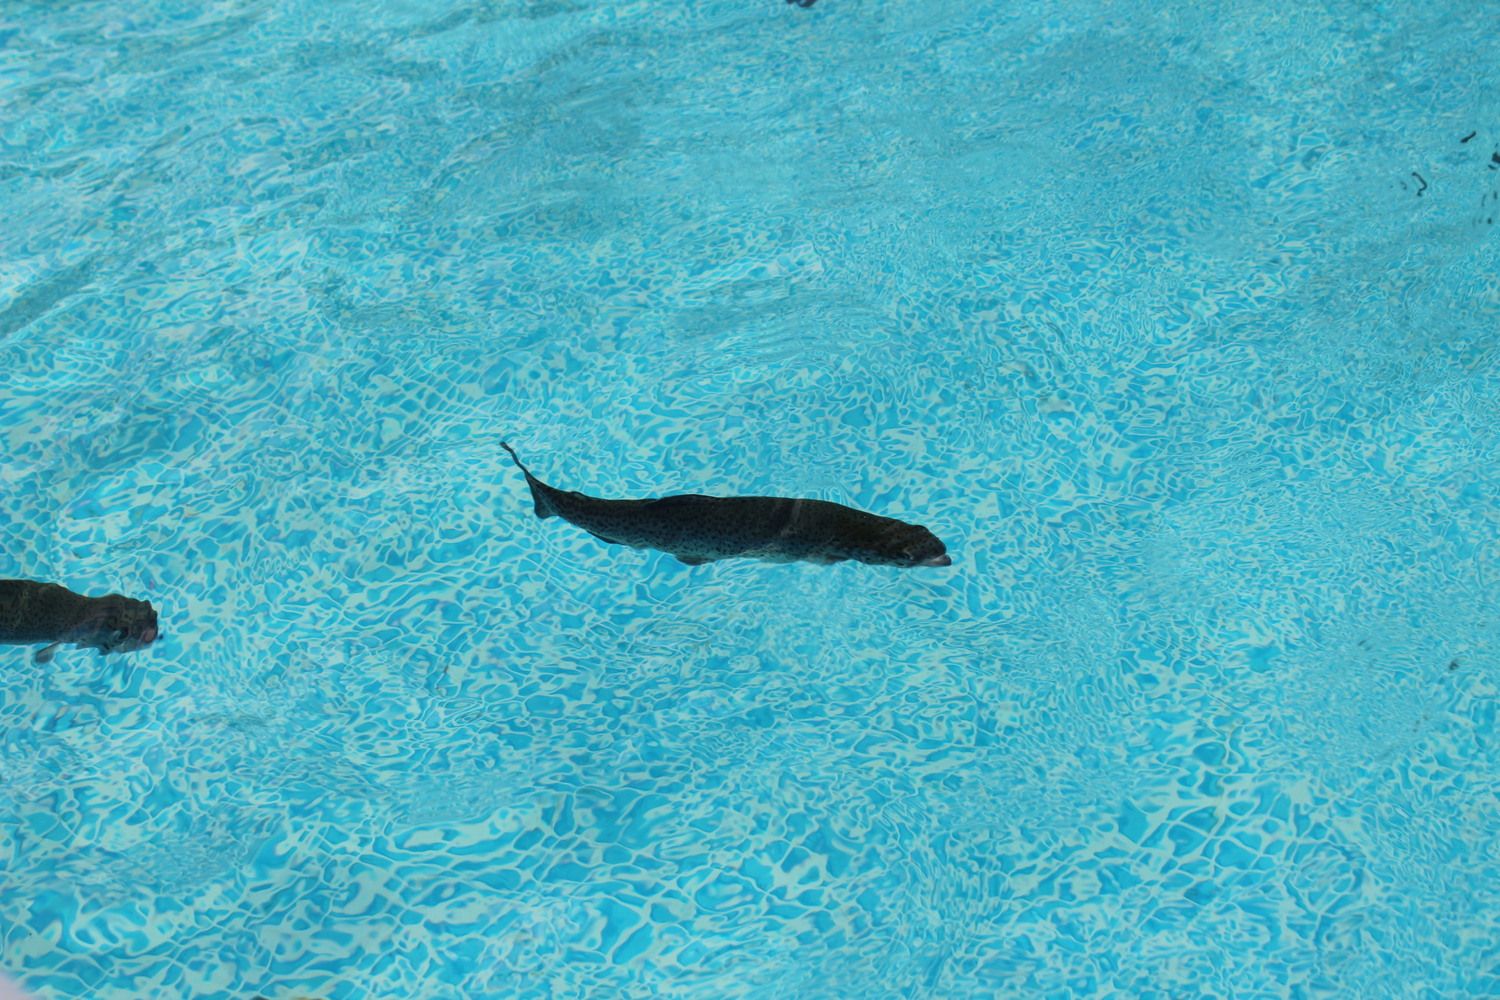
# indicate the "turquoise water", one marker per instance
pixel 1147 315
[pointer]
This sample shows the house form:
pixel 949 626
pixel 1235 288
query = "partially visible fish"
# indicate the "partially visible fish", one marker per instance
pixel 699 529
pixel 33 612
pixel 11 990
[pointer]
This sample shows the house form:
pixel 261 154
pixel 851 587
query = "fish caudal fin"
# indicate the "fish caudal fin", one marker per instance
pixel 539 489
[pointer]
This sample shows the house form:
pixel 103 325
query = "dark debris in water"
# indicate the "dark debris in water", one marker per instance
pixel 1421 185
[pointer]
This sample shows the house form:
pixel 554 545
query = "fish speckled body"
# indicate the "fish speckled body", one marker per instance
pixel 699 529
pixel 33 612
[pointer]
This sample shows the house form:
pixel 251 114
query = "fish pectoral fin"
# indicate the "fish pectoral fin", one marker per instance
pixel 692 560
pixel 45 654
pixel 605 538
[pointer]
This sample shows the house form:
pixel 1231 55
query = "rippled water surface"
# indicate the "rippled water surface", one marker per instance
pixel 1181 328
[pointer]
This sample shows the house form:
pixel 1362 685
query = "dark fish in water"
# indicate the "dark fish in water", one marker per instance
pixel 32 612
pixel 699 529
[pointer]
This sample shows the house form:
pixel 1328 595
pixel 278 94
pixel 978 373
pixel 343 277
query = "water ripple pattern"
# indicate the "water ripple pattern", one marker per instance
pixel 1146 313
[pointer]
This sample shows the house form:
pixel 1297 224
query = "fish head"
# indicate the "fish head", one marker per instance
pixel 896 543
pixel 120 625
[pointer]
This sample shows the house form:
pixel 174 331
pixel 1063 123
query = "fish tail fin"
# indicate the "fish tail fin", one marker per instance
pixel 539 490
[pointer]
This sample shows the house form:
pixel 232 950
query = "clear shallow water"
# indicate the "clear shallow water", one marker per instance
pixel 1144 314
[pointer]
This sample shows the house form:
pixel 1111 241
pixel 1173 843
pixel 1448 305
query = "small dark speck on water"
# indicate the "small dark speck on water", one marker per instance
pixel 803 3
pixel 1495 159
pixel 1468 137
pixel 1452 664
